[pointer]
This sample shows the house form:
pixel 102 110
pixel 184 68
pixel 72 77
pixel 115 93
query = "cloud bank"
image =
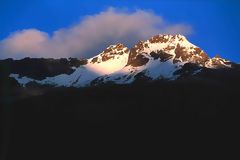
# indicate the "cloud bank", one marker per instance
pixel 90 36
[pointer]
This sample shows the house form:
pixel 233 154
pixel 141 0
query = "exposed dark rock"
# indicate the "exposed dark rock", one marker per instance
pixel 135 50
pixel 187 69
pixel 158 39
pixel 154 55
pixel 111 51
pixel 169 48
pixel 76 62
pixel 162 55
pixel 106 57
pixel 180 52
pixel 140 60
pixel 94 60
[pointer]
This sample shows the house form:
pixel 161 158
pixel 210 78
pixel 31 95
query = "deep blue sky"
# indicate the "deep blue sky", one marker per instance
pixel 216 23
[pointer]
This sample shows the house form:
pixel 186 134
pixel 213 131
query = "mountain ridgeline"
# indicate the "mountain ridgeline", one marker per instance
pixel 162 57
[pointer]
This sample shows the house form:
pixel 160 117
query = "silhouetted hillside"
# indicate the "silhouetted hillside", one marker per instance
pixel 52 122
pixel 39 68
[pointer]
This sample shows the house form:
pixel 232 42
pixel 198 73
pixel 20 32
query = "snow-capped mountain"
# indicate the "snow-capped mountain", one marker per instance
pixel 113 59
pixel 160 57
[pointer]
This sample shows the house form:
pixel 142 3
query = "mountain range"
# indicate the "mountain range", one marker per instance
pixel 162 84
pixel 162 57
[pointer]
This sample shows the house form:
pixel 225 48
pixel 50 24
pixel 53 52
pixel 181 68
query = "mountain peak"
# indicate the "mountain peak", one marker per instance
pixel 218 62
pixel 111 52
pixel 167 47
pixel 118 48
pixel 165 38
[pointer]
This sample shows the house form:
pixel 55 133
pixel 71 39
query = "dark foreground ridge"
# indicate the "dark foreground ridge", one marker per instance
pixel 39 68
pixel 42 122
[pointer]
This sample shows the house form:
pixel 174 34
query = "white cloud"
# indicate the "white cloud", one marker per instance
pixel 89 36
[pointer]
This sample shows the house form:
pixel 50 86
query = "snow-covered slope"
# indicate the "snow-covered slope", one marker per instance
pixel 160 57
pixel 114 58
